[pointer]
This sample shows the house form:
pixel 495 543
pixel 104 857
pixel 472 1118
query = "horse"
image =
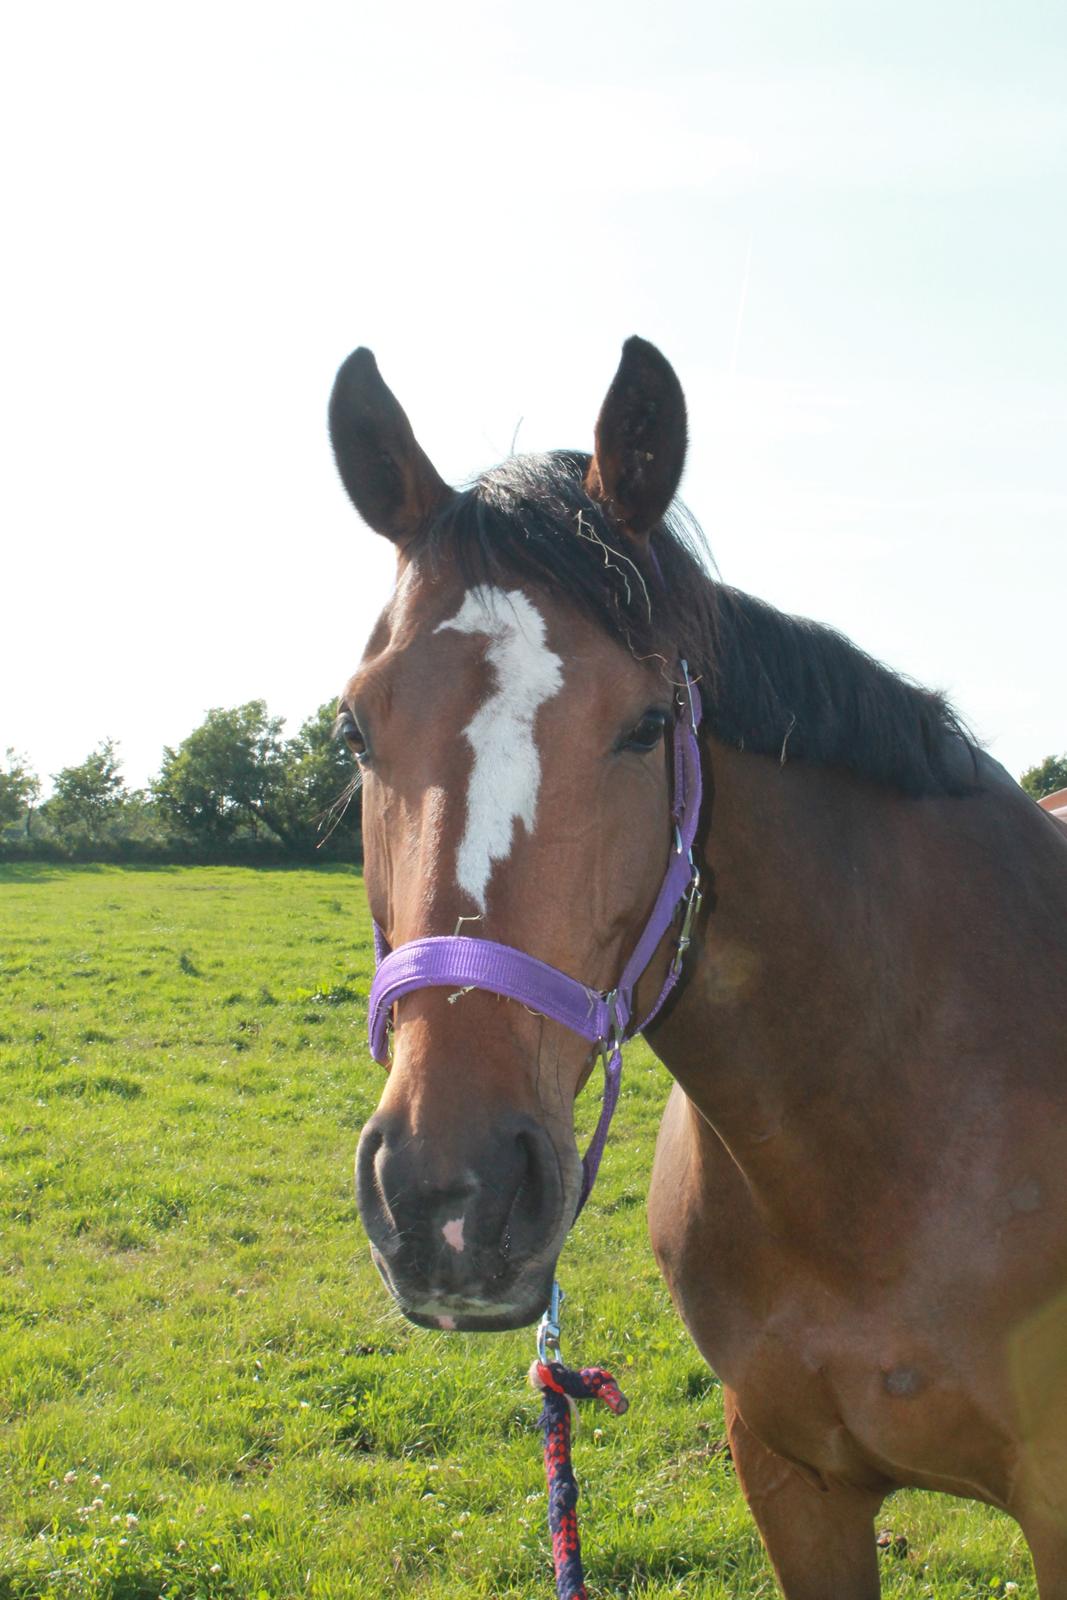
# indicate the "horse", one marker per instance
pixel 859 1193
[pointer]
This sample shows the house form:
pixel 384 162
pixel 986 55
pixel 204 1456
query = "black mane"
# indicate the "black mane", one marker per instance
pixel 770 683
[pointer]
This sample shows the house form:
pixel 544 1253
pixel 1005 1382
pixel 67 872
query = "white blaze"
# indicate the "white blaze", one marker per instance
pixel 506 774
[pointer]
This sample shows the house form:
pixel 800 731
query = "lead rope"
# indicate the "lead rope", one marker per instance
pixel 561 1387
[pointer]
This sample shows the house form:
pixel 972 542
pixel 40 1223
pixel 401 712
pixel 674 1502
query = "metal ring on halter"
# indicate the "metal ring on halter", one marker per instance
pixel 691 900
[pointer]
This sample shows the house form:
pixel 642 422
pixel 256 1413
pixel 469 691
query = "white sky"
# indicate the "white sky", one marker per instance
pixel 844 223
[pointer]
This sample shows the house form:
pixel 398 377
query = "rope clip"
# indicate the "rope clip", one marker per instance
pixel 548 1348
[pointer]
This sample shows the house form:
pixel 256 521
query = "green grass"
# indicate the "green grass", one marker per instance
pixel 203 1391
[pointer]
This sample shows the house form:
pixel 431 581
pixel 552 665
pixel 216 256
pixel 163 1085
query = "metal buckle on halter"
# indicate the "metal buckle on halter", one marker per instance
pixel 614 1039
pixel 548 1328
pixel 691 900
pixel 689 695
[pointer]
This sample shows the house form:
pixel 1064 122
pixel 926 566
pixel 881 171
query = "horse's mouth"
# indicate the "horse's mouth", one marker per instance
pixel 472 1318
pixel 455 1313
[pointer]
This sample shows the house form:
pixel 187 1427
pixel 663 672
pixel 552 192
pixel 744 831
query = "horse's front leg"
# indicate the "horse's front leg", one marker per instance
pixel 820 1539
pixel 1048 1547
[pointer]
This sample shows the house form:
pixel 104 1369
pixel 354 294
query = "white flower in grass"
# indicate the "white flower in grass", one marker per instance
pixel 69 1477
pixel 131 1520
pixel 214 1567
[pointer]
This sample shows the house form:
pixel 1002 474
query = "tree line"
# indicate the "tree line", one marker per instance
pixel 235 789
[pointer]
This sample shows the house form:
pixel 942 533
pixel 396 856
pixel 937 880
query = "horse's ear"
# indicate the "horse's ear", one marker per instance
pixel 640 440
pixel 391 481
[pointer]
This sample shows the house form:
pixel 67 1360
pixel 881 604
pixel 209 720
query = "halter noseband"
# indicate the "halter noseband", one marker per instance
pixel 602 1018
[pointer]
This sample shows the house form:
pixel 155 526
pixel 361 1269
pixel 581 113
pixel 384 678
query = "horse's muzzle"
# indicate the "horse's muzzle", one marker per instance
pixel 464 1237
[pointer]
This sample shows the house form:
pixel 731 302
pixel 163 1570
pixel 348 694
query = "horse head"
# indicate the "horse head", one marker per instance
pixel 510 716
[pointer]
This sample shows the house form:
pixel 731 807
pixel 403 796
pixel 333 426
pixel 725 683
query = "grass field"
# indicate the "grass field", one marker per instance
pixel 203 1391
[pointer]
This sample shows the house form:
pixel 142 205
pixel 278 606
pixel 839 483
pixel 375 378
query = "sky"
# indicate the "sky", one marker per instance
pixel 845 224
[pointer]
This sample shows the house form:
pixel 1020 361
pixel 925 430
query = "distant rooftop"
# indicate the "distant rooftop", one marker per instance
pixel 1056 803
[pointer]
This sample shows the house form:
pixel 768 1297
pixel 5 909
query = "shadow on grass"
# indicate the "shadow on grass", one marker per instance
pixel 626 1572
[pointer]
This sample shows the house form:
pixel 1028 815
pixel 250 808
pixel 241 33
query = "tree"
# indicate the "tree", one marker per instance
pixel 1046 778
pixel 19 790
pixel 318 802
pixel 87 798
pixel 226 775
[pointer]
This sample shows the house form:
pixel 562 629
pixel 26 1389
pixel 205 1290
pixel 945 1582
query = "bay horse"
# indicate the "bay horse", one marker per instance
pixel 859 1195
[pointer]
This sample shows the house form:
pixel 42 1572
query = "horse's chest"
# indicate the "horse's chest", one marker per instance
pixel 849 1382
pixel 834 1392
pixel 863 1396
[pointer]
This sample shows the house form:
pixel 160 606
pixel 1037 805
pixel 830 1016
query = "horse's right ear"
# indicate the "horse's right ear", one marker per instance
pixel 390 480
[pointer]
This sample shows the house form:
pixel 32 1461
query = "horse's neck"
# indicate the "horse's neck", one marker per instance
pixel 838 977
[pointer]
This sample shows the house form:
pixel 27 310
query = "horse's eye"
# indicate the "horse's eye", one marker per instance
pixel 647 734
pixel 347 728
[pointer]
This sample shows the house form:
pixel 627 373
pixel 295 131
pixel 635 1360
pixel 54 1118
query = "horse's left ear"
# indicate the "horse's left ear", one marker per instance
pixel 640 440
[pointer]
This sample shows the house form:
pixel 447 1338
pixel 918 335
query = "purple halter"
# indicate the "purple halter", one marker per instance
pixel 604 1019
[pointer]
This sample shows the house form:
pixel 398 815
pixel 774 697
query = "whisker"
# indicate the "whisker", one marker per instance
pixel 335 813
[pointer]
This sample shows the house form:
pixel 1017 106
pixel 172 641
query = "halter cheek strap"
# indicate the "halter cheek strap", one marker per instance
pixel 602 1018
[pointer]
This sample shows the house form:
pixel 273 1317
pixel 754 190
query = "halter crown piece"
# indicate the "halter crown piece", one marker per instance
pixel 459 962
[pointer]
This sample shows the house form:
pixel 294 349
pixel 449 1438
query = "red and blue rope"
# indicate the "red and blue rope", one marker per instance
pixel 561 1385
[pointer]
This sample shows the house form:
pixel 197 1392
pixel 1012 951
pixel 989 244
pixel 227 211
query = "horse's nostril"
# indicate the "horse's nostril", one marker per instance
pixel 522 1195
pixel 371 1142
pixel 532 1201
pixel 370 1191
